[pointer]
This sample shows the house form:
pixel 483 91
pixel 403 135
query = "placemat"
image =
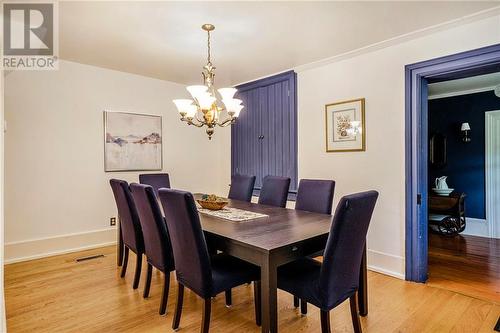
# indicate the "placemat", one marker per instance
pixel 232 214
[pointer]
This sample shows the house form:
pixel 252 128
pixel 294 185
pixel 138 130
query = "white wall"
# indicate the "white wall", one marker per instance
pixel 57 194
pixel 378 76
pixel 3 323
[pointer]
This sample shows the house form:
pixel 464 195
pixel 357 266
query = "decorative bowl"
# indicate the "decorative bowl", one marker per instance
pixel 212 202
pixel 443 191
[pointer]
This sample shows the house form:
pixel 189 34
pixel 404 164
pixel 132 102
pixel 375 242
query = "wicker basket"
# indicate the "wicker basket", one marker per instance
pixel 212 205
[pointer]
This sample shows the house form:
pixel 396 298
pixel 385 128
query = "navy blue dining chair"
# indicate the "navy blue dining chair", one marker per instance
pixel 158 248
pixel 130 227
pixel 241 187
pixel 274 191
pixel 328 284
pixel 313 195
pixel 195 269
pixel 156 180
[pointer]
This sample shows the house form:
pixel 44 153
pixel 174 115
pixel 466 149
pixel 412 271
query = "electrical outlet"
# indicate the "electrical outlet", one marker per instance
pixel 112 221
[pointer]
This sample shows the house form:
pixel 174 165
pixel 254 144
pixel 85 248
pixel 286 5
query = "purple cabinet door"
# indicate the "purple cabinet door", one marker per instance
pixel 264 139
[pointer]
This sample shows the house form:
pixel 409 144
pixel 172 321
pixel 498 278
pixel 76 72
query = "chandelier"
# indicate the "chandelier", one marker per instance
pixel 206 106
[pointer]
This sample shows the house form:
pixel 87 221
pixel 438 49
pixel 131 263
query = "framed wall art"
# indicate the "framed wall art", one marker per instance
pixel 345 126
pixel 132 142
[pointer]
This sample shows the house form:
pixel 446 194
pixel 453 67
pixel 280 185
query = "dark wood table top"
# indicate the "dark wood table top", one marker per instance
pixel 281 228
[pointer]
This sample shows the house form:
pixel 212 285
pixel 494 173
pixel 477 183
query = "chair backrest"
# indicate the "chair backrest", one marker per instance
pixel 315 195
pixel 241 187
pixel 274 191
pixel 157 245
pixel 192 261
pixel 156 180
pixel 129 220
pixel 339 276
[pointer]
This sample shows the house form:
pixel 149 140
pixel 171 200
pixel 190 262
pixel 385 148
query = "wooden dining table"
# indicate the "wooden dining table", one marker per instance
pixel 283 236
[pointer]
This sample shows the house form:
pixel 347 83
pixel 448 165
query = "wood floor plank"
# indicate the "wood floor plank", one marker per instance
pixel 466 264
pixel 58 294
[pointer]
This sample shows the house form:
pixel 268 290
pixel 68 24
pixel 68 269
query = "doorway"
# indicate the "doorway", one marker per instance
pixel 463 255
pixel 417 78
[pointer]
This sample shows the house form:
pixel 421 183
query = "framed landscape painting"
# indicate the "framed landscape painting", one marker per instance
pixel 345 126
pixel 132 142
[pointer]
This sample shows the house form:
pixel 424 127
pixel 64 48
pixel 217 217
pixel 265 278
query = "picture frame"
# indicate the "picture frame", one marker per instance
pixel 345 129
pixel 132 141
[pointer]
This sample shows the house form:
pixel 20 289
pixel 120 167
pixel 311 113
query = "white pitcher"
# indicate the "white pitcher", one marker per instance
pixel 441 183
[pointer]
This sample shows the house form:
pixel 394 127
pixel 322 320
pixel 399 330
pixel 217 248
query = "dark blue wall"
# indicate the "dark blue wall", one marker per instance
pixel 465 161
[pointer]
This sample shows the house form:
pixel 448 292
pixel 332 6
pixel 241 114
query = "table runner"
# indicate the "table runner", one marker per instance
pixel 232 214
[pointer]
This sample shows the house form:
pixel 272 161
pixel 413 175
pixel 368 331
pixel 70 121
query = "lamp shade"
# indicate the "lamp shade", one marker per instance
pixel 205 101
pixel 197 91
pixel 227 93
pixel 465 127
pixel 182 105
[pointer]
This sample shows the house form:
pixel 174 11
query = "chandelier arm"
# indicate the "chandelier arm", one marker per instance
pixel 227 122
pixel 198 119
pixel 191 122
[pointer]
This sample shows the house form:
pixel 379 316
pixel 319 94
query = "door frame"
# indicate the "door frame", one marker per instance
pixel 417 76
pixel 492 123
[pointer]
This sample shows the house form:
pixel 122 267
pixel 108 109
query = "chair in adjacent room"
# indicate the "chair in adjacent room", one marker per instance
pixel 130 227
pixel 157 244
pixel 274 191
pixel 241 187
pixel 205 275
pixel 156 180
pixel 313 195
pixel 328 284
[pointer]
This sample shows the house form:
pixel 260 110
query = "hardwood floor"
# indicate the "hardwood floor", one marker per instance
pixel 466 264
pixel 58 294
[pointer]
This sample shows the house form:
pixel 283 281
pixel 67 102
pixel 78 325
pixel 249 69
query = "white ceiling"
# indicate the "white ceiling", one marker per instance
pixel 252 39
pixel 464 86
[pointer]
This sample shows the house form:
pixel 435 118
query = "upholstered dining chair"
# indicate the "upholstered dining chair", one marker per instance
pixel 195 269
pixel 274 191
pixel 157 244
pixel 313 195
pixel 241 187
pixel 328 284
pixel 156 180
pixel 130 227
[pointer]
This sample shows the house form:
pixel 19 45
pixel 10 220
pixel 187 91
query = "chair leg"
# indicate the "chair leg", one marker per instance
pixel 355 314
pixel 295 302
pixel 147 285
pixel 325 321
pixel 257 301
pixel 164 297
pixel 205 320
pixel 303 307
pixel 138 269
pixel 125 262
pixel 178 307
pixel 229 300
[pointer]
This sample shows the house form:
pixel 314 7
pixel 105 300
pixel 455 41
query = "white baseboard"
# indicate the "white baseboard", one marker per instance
pixel 476 227
pixel 51 246
pixel 385 263
pixel 380 262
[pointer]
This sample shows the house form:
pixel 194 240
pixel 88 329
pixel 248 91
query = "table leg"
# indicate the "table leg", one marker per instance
pixel 269 296
pixel 363 287
pixel 119 244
